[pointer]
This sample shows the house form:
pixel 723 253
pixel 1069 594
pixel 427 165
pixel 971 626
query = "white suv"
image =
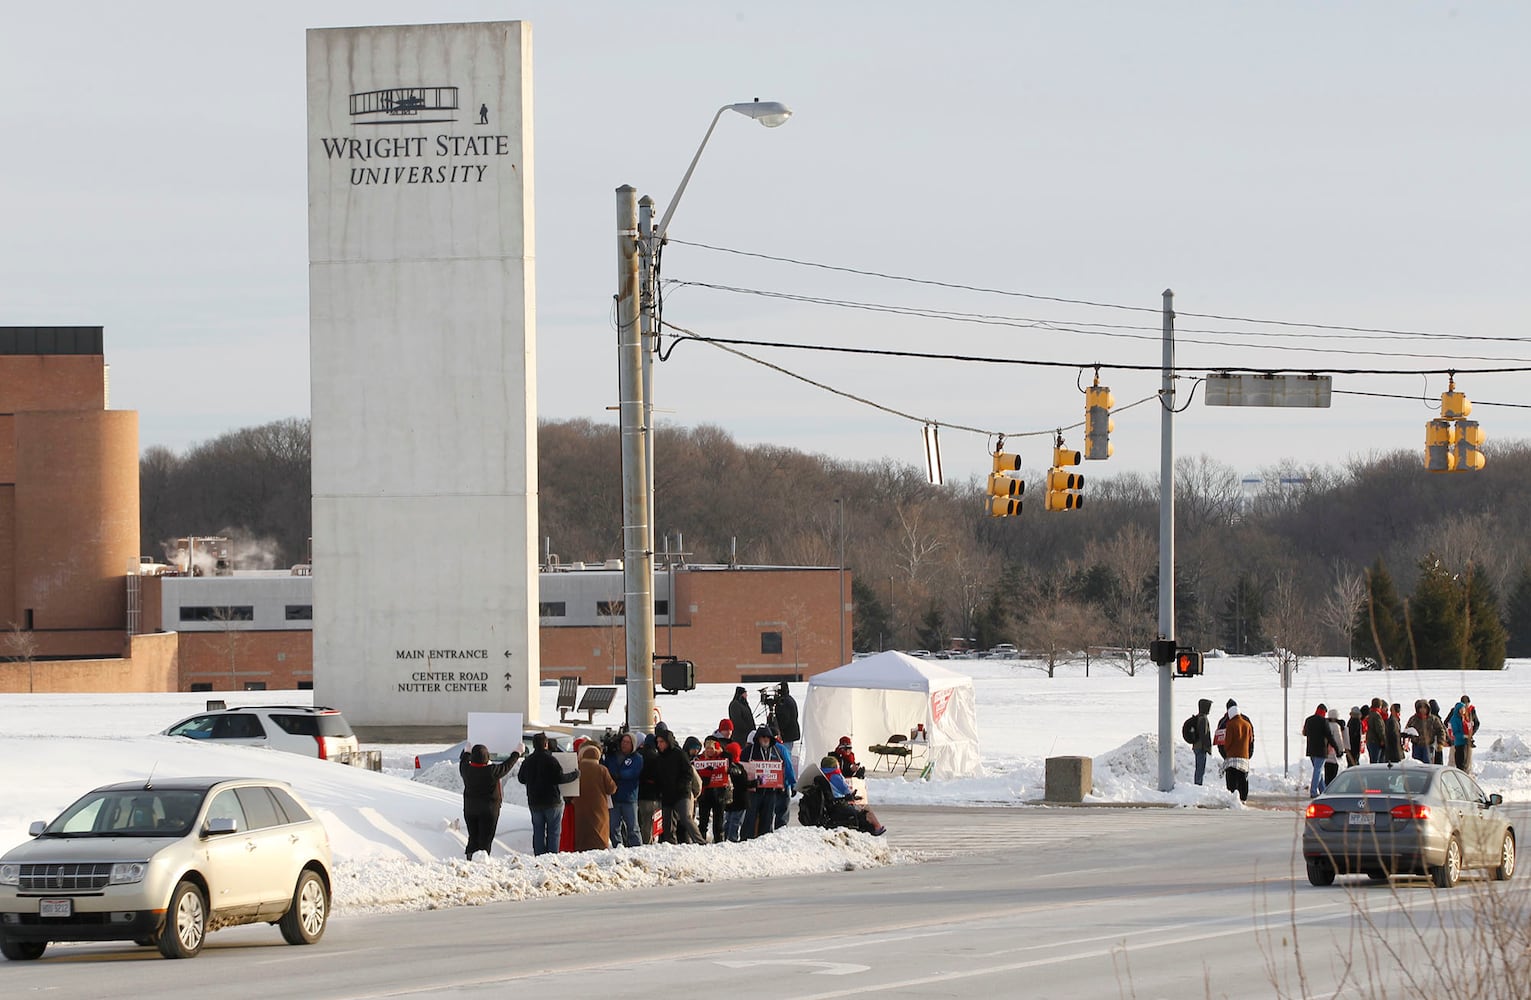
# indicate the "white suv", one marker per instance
pixel 161 863
pixel 308 730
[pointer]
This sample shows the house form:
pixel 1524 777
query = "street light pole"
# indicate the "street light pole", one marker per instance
pixel 840 604
pixel 638 244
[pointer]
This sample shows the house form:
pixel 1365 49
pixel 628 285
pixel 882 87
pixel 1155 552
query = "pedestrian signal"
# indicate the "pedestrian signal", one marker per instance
pixel 1187 662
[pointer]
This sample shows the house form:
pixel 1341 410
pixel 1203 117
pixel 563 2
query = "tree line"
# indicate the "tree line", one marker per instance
pixel 1376 559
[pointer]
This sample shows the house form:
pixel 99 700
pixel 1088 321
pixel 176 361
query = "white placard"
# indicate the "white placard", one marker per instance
pixel 569 761
pixel 499 731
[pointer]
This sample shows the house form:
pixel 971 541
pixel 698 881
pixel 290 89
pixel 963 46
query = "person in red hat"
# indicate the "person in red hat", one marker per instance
pixel 847 757
pixel 725 733
pixel 1319 737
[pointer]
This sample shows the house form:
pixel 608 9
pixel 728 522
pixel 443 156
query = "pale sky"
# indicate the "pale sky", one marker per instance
pixel 1364 164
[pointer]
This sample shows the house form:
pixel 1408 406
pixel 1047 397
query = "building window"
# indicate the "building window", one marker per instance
pixel 770 642
pixel 224 613
pixel 201 686
pixel 300 612
pixel 661 608
pixel 552 609
pixel 255 685
pixel 305 685
pixel 610 608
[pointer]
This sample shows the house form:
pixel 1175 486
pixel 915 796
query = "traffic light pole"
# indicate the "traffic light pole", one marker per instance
pixel 637 553
pixel 1167 546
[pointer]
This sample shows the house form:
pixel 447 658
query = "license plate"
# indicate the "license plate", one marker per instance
pixel 1362 819
pixel 55 908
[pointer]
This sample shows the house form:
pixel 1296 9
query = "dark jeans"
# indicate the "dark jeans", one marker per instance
pixel 1237 781
pixel 1462 757
pixel 624 824
pixel 733 820
pixel 481 827
pixel 1374 752
pixel 1331 768
pixel 1201 765
pixel 710 814
pixel 646 810
pixel 760 814
pixel 547 825
pixel 680 823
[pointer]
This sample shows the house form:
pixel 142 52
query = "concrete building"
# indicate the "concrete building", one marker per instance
pixel 739 624
pixel 68 521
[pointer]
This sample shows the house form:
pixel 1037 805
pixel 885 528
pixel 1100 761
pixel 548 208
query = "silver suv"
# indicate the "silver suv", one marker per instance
pixel 163 862
pixel 312 731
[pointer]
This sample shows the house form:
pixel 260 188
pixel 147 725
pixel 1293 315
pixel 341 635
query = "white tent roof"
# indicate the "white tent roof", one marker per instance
pixel 891 670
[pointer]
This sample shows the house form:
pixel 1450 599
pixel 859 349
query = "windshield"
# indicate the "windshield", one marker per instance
pixel 130 812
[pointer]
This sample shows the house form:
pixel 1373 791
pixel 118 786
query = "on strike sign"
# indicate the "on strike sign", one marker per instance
pixel 714 773
pixel 768 774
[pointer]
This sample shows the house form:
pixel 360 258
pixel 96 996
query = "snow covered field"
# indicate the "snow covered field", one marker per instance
pixel 396 843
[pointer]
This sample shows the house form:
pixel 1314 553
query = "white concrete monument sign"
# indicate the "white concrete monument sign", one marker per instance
pixel 423 355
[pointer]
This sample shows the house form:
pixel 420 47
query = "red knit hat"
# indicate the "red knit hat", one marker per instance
pixel 732 749
pixel 725 725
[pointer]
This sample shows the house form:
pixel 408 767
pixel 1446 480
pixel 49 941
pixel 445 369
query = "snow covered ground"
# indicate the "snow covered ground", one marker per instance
pixel 397 842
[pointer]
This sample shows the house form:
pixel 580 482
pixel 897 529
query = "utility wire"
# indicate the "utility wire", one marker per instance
pixel 1068 301
pixel 1025 322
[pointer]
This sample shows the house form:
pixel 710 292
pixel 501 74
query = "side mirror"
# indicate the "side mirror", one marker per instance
pixel 1496 799
pixel 37 828
pixel 221 825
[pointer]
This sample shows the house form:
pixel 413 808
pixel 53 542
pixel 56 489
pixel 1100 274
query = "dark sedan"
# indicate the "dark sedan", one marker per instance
pixel 1406 819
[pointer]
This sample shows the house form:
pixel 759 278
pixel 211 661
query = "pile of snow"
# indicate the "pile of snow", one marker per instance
pixel 395 884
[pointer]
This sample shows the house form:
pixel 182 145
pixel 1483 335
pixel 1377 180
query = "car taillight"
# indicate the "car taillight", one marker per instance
pixel 1318 810
pixel 324 753
pixel 1410 810
pixel 417 763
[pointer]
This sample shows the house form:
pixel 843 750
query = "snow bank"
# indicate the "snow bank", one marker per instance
pixel 395 884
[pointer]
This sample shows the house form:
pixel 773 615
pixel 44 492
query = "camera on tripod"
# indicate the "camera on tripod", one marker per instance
pixel 769 696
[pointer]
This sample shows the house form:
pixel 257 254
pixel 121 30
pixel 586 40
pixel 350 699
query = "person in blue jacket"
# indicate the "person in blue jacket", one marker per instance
pixel 761 813
pixel 625 765
pixel 845 802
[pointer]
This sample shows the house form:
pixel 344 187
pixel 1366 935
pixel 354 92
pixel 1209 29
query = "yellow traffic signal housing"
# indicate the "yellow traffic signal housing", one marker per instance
pixel 1003 486
pixel 1062 490
pixel 1454 405
pixel 1470 438
pixel 1440 446
pixel 1063 456
pixel 1098 424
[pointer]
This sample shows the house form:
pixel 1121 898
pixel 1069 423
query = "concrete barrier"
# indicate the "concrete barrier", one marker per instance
pixel 1068 779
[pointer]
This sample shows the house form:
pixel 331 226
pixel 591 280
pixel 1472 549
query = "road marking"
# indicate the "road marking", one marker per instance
pixel 820 968
pixel 861 941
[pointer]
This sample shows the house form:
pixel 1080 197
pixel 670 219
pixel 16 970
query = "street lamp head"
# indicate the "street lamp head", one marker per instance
pixel 768 113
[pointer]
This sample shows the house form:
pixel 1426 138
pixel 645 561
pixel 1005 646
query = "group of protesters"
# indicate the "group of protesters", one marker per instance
pixel 733 785
pixel 1380 733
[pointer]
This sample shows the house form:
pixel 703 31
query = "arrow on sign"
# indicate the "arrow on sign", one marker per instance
pixel 507 687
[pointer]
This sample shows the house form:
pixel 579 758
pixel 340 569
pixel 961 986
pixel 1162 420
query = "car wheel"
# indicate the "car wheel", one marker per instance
pixel 1377 875
pixel 22 951
pixel 1320 872
pixel 305 919
pixel 185 923
pixel 146 942
pixel 1446 875
pixel 1506 867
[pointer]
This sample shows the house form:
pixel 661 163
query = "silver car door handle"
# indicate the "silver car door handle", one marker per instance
pixel 293 838
pixel 249 845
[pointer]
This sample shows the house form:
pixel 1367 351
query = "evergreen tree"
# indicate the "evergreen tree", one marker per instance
pixel 1486 636
pixel 932 630
pixel 1241 620
pixel 1517 614
pixel 871 627
pixel 1382 611
pixel 1437 618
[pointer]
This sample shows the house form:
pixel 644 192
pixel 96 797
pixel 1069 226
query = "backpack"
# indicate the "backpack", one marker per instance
pixel 1188 730
pixel 811 807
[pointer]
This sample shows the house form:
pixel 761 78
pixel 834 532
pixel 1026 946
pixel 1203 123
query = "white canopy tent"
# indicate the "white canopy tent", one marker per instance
pixel 890 693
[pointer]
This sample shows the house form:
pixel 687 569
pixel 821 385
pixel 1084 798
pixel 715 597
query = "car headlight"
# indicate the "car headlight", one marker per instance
pixel 10 874
pixel 124 872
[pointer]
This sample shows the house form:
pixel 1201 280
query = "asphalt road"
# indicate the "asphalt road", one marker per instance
pixel 1038 903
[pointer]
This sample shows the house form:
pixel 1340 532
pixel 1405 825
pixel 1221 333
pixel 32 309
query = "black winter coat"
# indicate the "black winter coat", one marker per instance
pixel 672 775
pixel 648 778
pixel 786 720
pixel 542 774
pixel 481 791
pixel 743 718
pixel 1315 730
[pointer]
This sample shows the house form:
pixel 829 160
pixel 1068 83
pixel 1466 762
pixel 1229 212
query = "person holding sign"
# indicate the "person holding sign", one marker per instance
pixel 482 796
pixel 543 777
pixel 674 775
pixel 717 790
pixel 770 775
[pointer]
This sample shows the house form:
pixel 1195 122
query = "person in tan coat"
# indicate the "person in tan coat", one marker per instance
pixel 592 817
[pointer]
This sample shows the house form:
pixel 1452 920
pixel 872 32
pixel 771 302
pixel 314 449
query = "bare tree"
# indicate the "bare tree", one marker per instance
pixel 1132 555
pixel 21 647
pixel 232 640
pixel 1342 603
pixel 1288 621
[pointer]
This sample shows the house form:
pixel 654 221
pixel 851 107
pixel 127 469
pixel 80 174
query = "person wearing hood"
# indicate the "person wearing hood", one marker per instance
pixel 1319 743
pixel 787 725
pixel 1201 742
pixel 760 815
pixel 1376 732
pixel 1332 758
pixel 1461 727
pixel 847 757
pixel 741 715
pixel 1239 744
pixel 482 796
pixel 843 804
pixel 1427 733
pixel 592 818
pixel 733 816
pixel 625 765
pixel 1353 737
pixel 648 785
pixel 678 784
pixel 543 777
pixel 1435 710
pixel 717 792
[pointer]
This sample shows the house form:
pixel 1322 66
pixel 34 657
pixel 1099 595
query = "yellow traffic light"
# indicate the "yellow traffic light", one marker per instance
pixel 1452 442
pixel 1062 486
pixel 1098 424
pixel 1003 486
pixel 1063 456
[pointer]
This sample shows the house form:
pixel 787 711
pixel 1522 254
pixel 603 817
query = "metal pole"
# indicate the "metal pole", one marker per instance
pixel 638 555
pixel 648 274
pixel 840 504
pixel 1167 545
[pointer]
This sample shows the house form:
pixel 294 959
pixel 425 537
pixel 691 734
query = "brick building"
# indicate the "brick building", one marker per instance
pixel 68 520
